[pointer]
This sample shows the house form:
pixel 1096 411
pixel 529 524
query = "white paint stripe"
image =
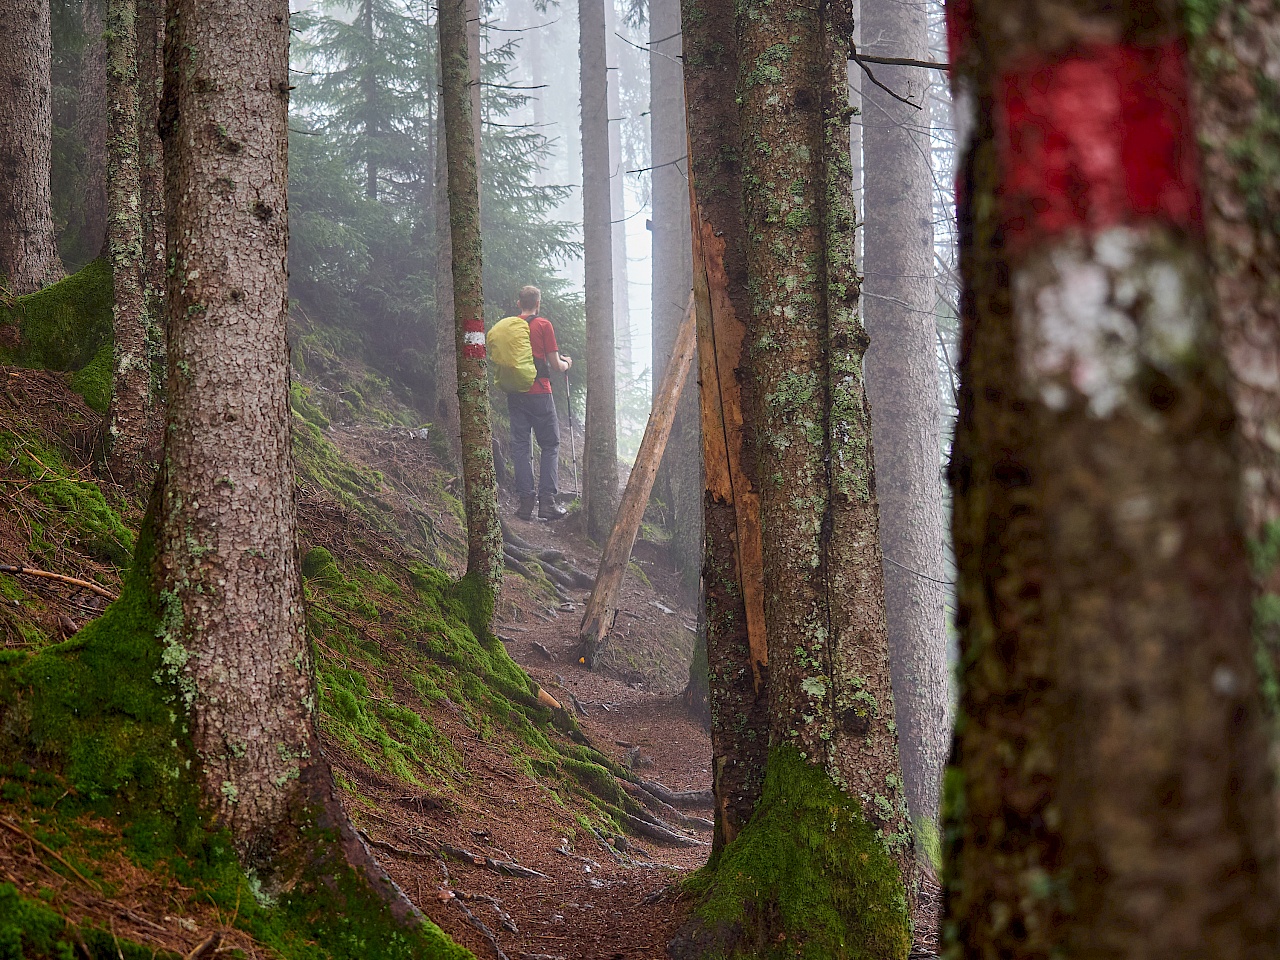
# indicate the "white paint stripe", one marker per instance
pixel 1095 311
pixel 474 339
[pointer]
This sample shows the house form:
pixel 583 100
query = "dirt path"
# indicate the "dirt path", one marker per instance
pixel 598 896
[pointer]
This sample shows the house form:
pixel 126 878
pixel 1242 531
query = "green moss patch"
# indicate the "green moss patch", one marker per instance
pixel 63 326
pixel 93 380
pixel 808 877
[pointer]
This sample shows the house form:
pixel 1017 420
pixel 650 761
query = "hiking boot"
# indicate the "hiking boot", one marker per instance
pixel 550 510
pixel 526 508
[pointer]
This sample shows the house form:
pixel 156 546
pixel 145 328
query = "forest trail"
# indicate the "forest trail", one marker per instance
pixel 594 896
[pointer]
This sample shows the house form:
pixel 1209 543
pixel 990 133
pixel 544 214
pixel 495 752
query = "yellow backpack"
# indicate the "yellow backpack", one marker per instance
pixel 512 354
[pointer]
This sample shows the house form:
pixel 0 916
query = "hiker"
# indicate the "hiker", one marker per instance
pixel 524 352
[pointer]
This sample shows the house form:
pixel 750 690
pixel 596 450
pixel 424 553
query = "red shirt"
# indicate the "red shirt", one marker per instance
pixel 542 338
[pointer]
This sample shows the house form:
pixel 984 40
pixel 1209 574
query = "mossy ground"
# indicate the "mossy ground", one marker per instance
pixel 67 327
pixel 94 756
pixel 807 878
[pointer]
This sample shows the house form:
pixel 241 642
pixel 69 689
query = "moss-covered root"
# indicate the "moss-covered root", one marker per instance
pixel 807 878
pixel 104 711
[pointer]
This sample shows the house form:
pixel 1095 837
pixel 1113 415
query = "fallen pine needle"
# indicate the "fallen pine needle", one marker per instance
pixel 9 824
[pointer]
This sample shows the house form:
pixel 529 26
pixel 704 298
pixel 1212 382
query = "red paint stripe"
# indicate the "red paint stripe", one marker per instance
pixel 473 350
pixel 1097 139
pixel 474 325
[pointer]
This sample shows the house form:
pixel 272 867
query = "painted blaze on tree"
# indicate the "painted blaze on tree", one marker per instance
pixel 1109 795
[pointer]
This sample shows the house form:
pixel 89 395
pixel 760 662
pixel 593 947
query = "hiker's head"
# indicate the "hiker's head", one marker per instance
pixel 530 298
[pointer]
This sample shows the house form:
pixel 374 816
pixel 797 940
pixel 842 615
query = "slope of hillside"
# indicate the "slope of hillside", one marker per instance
pixel 513 823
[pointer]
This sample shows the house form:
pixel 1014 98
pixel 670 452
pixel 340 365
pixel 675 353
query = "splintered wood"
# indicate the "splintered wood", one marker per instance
pixel 601 608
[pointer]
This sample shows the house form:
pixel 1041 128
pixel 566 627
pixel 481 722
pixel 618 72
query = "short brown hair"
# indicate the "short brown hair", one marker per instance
pixel 530 297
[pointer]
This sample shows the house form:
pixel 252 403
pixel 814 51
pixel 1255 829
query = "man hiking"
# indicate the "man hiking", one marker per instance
pixel 532 409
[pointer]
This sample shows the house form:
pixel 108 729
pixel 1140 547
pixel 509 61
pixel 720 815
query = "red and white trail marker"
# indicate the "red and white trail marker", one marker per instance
pixel 1100 207
pixel 473 339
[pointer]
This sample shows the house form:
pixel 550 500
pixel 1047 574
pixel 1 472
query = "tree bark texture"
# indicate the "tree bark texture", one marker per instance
pixel 1109 794
pixel 600 448
pixel 480 483
pixel 680 482
pixel 902 383
pixel 446 412
pixel 28 253
pixel 1234 55
pixel 830 695
pixel 733 586
pixel 228 552
pixel 151 16
pixel 617 202
pixel 89 218
pixel 129 414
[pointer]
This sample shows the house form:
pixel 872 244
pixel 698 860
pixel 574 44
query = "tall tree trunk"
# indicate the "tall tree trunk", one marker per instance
pixel 370 93
pixel 28 253
pixel 89 218
pixel 902 383
pixel 830 836
pixel 617 203
pixel 448 416
pixel 446 359
pixel 680 482
pixel 129 414
pixel 600 453
pixel 226 557
pixel 151 16
pixel 1236 111
pixel 733 585
pixel 1111 787
pixel 484 536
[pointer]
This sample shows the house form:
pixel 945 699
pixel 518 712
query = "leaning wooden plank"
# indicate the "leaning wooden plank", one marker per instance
pixel 602 605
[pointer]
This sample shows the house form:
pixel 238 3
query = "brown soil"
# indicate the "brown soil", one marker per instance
pixel 600 895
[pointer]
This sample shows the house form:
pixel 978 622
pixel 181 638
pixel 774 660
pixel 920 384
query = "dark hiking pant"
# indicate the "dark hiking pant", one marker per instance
pixel 535 412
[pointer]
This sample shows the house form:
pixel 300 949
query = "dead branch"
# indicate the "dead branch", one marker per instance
pixel 21 571
pixel 482 927
pixel 652 828
pixel 208 946
pixel 505 867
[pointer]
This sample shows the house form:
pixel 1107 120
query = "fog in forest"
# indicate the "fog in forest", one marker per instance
pixel 702 479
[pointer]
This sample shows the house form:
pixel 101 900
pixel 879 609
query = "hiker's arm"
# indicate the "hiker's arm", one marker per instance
pixel 559 363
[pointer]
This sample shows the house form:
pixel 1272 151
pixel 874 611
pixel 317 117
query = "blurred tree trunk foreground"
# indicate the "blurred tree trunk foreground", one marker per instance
pixel 1110 788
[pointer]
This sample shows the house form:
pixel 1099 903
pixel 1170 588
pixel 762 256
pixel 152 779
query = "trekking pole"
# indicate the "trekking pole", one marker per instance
pixel 573 442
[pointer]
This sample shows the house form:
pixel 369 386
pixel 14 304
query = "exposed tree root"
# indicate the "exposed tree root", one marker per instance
pixel 658 806
pixel 693 798
pixel 505 867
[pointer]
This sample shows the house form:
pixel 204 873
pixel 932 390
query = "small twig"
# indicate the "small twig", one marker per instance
pixel 901 62
pixel 61 578
pixel 208 946
pixel 9 824
pixel 862 62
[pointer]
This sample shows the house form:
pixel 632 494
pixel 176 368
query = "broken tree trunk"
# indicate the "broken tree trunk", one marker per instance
pixel 601 607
